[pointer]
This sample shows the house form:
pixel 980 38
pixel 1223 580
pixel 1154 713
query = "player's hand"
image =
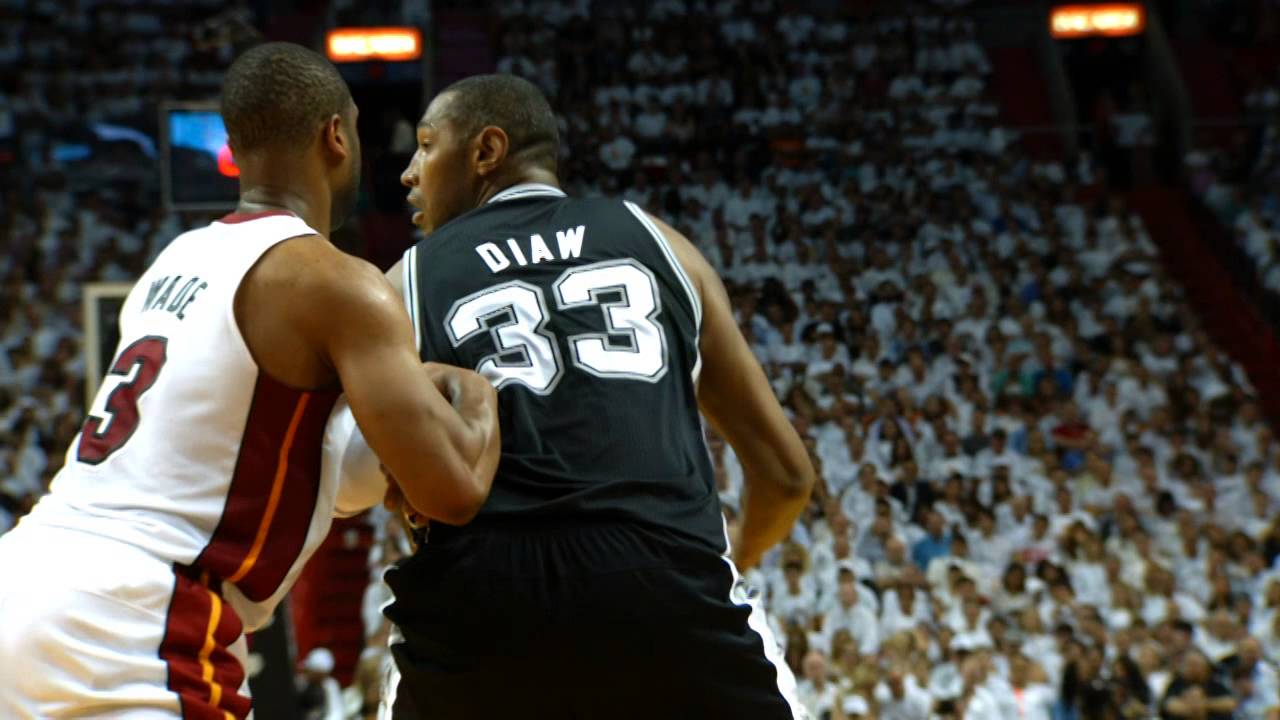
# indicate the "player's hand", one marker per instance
pixel 475 401
pixel 393 499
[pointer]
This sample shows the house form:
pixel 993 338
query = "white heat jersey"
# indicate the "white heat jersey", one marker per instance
pixel 192 453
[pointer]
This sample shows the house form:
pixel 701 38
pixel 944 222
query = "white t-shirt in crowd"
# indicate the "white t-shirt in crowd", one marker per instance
pixel 915 703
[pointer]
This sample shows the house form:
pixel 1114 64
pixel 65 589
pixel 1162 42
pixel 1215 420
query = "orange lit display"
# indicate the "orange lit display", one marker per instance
pixel 1111 20
pixel 355 44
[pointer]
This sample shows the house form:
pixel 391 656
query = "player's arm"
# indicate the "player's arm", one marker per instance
pixel 453 382
pixel 441 455
pixel 362 480
pixel 361 477
pixel 476 402
pixel 735 396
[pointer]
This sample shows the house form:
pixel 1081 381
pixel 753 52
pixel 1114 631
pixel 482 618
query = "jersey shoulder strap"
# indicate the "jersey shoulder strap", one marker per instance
pixel 409 288
pixel 669 253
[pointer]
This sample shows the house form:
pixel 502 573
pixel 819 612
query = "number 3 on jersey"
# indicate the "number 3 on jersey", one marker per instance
pixel 515 315
pixel 114 415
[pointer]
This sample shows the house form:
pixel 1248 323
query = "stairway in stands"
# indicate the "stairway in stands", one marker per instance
pixel 1230 319
pixel 1024 99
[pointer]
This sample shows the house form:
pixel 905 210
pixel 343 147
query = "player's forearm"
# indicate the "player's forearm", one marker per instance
pixel 770 505
pixel 479 412
pixel 448 475
pixel 477 439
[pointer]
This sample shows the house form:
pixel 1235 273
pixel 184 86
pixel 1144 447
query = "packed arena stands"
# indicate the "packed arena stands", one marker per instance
pixel 1046 493
pixel 78 109
pixel 1239 184
pixel 1234 166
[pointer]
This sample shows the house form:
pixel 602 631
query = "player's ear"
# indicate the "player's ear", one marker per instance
pixel 333 137
pixel 492 145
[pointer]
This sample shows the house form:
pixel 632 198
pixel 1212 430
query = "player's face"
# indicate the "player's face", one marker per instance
pixel 346 186
pixel 439 176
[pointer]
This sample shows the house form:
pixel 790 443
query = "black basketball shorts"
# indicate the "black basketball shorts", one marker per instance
pixel 590 621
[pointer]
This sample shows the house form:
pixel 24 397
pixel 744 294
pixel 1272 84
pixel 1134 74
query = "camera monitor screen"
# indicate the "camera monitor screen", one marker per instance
pixel 199 172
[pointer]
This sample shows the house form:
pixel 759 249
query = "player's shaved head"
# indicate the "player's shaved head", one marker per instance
pixel 478 137
pixel 513 104
pixel 278 95
pixel 291 124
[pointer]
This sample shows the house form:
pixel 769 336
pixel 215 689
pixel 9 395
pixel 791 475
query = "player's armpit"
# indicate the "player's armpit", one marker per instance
pixel 735 396
pixel 361 327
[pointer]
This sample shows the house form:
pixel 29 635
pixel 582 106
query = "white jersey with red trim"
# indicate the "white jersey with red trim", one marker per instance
pixel 192 453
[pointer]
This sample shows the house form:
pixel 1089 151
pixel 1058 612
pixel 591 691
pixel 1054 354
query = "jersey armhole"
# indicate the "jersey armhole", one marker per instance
pixel 695 301
pixel 410 293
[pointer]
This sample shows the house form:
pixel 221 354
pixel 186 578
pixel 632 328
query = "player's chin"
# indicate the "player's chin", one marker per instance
pixel 419 219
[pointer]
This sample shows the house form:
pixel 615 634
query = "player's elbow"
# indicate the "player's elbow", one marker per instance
pixel 451 496
pixel 457 514
pixel 798 480
pixel 790 477
pixel 457 500
pixel 783 469
pixel 465 505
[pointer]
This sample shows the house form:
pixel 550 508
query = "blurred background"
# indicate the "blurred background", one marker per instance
pixel 1011 266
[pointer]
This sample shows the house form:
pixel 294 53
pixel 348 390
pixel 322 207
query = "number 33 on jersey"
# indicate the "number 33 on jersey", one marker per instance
pixel 515 315
pixel 591 299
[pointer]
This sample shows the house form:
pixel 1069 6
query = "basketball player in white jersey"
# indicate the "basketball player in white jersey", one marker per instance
pixel 197 487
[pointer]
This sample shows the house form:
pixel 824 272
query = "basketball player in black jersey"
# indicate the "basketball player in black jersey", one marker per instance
pixel 595 582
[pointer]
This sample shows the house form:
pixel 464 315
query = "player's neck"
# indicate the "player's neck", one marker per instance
pixel 264 197
pixel 524 176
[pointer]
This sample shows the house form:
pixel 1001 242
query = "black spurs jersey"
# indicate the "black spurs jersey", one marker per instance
pixel 580 315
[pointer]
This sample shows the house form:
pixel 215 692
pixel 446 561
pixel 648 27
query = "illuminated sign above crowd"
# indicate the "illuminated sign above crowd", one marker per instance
pixel 364 44
pixel 1110 20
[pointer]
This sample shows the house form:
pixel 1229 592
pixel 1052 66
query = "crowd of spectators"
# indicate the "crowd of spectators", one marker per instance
pixel 1045 493
pixel 80 84
pixel 1240 181
pixel 85 71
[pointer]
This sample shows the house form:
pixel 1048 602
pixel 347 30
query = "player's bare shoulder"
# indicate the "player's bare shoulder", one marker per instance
pixel 298 297
pixel 324 276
